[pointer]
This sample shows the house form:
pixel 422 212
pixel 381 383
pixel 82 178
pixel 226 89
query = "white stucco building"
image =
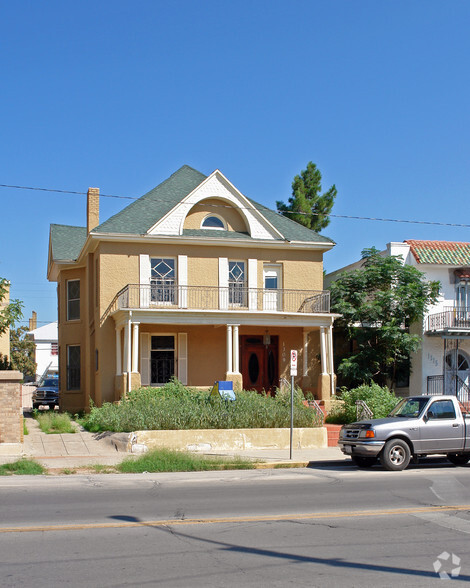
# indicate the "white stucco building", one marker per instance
pixel 442 365
pixel 47 349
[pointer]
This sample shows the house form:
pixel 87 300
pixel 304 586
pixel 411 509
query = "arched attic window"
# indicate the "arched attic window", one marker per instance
pixel 214 222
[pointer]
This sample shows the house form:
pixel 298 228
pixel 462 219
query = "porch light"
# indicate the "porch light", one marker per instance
pixel 266 339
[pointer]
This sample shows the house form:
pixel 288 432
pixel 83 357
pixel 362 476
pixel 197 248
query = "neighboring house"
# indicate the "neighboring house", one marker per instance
pixel 5 337
pixel 193 280
pixel 47 347
pixel 442 364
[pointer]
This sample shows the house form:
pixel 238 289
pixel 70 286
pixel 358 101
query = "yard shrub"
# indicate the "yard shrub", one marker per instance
pixel 174 407
pixel 379 399
pixel 52 422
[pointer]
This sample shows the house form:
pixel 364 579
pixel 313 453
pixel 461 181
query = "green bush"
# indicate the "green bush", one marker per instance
pixel 175 407
pixel 51 422
pixel 379 400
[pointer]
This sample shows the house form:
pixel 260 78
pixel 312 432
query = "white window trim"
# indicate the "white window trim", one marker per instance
pixel 224 228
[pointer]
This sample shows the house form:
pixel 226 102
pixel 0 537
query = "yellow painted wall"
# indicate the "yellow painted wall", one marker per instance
pixel 220 208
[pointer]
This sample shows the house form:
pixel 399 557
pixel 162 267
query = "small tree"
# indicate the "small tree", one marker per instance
pixel 307 206
pixel 22 350
pixel 378 303
pixel 12 312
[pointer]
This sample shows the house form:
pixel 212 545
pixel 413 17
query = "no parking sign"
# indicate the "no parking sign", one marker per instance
pixel 293 362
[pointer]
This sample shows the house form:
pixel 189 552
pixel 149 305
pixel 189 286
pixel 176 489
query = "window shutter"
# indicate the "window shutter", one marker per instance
pixel 144 280
pixel 252 284
pixel 183 358
pixel 183 280
pixel 145 359
pixel 223 283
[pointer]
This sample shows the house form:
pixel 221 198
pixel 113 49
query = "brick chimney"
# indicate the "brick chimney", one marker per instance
pixel 92 209
pixel 33 321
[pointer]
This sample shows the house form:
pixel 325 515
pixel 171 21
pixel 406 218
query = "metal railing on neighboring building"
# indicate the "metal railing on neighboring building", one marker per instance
pixel 449 318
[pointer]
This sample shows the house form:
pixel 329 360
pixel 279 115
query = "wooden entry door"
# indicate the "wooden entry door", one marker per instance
pixel 259 363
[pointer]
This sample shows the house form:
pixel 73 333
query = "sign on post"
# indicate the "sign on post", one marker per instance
pixel 293 362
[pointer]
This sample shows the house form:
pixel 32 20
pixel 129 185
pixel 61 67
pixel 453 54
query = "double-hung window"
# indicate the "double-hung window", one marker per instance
pixel 163 280
pixel 73 367
pixel 73 300
pixel 237 283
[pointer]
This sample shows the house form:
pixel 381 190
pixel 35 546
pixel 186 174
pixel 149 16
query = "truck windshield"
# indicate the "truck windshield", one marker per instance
pixel 409 408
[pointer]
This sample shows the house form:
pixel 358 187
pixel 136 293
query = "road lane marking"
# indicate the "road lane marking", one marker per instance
pixel 241 519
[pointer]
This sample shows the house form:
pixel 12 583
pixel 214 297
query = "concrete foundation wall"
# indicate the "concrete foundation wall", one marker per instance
pixel 228 439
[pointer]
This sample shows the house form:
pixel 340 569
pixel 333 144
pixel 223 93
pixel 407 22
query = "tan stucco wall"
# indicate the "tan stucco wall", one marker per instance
pixel 73 333
pixel 219 208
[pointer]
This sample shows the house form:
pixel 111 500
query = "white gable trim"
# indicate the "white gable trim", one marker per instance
pixel 216 186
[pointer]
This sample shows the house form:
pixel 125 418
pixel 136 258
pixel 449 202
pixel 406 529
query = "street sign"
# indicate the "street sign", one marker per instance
pixel 293 362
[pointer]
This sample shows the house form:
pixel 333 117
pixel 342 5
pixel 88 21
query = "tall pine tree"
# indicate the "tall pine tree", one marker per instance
pixel 307 206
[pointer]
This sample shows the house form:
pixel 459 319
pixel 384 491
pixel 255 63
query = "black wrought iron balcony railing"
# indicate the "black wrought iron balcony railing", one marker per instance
pixel 236 298
pixel 449 318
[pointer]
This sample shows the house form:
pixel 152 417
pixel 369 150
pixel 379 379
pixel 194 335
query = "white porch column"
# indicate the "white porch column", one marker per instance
pixel 236 359
pixel 127 345
pixel 331 362
pixel 324 369
pixel 135 347
pixel 229 350
pixel 305 353
pixel 118 352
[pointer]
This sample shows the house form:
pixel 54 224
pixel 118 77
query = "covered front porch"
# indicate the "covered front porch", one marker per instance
pixel 251 350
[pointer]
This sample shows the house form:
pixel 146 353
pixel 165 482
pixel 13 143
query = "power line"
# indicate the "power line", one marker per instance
pixel 280 212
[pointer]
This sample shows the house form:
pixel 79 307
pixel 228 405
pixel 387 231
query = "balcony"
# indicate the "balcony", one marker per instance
pixel 455 319
pixel 233 298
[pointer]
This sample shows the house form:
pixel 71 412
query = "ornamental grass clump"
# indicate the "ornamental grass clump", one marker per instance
pixel 175 407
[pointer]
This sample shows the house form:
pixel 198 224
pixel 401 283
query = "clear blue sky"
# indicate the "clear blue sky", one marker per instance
pixel 120 94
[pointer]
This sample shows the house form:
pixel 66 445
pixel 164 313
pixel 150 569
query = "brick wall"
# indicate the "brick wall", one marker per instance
pixel 11 415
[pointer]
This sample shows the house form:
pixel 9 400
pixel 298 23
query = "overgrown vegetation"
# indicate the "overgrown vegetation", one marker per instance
pixel 378 303
pixel 54 423
pixel 175 407
pixel 379 400
pixel 167 460
pixel 22 467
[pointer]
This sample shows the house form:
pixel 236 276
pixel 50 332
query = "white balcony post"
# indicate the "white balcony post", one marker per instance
pixel 135 347
pixel 126 365
pixel 229 349
pixel 236 359
pixel 118 352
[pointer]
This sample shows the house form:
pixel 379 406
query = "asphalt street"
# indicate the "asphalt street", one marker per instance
pixel 323 526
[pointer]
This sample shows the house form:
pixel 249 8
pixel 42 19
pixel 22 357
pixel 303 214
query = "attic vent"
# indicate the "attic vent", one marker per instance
pixel 213 222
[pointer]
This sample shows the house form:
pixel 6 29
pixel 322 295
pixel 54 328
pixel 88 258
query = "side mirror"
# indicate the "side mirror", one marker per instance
pixel 429 415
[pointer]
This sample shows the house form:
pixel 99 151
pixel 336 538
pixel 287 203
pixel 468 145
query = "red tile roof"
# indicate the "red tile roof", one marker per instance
pixel 442 252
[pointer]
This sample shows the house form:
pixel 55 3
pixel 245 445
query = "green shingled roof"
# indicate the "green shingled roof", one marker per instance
pixel 140 216
pixel 440 252
pixel 67 242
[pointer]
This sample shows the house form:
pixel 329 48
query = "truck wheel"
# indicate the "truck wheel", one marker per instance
pixel 458 458
pixel 364 462
pixel 396 455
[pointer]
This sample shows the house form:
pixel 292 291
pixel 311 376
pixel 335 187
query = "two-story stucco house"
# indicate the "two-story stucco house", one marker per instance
pixel 193 280
pixel 442 364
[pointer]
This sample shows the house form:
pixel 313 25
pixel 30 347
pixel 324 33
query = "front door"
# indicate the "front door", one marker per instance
pixel 162 359
pixel 259 362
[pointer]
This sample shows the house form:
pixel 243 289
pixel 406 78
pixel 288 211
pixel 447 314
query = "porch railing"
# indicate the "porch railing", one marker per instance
pixel 453 385
pixel 449 318
pixel 236 298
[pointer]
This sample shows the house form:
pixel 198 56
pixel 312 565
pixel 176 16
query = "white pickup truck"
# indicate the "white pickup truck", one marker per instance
pixel 416 427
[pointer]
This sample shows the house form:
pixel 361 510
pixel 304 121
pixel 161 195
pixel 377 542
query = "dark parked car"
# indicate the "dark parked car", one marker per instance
pixel 47 394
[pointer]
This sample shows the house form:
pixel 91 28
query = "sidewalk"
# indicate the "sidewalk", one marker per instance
pixel 82 449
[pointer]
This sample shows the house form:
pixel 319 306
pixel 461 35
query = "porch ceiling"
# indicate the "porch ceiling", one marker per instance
pixel 218 317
